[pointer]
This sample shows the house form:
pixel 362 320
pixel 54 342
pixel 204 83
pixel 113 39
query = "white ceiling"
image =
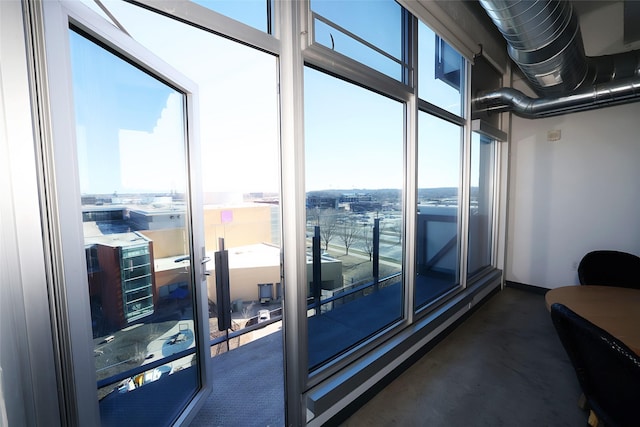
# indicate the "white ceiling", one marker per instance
pixel 609 26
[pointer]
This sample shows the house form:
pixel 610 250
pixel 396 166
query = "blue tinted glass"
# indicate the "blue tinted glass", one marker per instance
pixel 132 171
pixel 250 12
pixel 378 23
pixel 354 178
pixel 440 71
pixel 480 203
pixel 348 46
pixel 437 239
pixel 110 112
pixel 241 191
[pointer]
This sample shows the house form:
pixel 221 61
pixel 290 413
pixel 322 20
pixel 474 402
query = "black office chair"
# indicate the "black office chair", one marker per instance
pixel 612 268
pixel 607 370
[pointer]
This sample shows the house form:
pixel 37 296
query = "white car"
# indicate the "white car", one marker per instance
pixel 263 316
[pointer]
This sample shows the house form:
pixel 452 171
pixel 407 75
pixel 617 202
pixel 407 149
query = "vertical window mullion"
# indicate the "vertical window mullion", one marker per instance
pixel 292 207
pixel 466 177
pixel 440 250
pixel 411 166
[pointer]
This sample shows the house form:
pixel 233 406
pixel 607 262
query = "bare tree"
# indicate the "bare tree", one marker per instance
pixel 328 222
pixel 348 233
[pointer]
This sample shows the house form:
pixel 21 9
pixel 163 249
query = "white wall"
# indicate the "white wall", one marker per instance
pixel 608 17
pixel 574 195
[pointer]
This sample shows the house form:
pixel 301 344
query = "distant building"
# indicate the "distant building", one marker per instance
pixel 121 278
pixel 360 202
pixel 157 219
pixel 322 202
pixel 112 230
pixel 356 197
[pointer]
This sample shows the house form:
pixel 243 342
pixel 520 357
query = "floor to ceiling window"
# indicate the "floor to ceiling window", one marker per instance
pixel 237 129
pixel 120 157
pixel 438 222
pixel 240 175
pixel 240 163
pixel 354 167
pixel 481 205
pixel 353 151
pixel 397 200
pixel 440 153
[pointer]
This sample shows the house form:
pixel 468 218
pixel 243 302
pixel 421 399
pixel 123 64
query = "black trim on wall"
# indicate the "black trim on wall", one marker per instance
pixel 524 287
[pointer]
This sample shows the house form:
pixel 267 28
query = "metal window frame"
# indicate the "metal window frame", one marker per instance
pixel 316 16
pixel 465 174
pixel 283 43
pixel 293 258
pixel 327 61
pixel 315 51
pixel 500 173
pixel 209 20
pixel 291 44
pixel 28 356
pixel 461 220
pixel 61 195
pixel 337 364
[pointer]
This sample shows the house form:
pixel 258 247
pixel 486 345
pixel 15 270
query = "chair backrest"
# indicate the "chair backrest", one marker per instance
pixel 612 268
pixel 607 370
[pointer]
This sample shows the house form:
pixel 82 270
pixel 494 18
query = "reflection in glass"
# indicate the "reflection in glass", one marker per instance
pixel 238 106
pixel 440 71
pixel 481 202
pixel 356 29
pixel 437 240
pixel 354 176
pixel 131 162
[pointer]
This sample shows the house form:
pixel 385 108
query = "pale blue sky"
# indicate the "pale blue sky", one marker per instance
pixel 129 125
pixel 353 136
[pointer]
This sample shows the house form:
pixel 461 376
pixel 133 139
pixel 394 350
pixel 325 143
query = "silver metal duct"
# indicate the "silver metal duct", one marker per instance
pixel 613 67
pixel 544 40
pixel 588 98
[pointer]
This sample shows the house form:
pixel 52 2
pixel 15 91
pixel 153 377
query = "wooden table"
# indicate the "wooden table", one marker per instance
pixel 616 310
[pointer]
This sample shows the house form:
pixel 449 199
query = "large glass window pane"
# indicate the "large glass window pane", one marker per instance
pixel 255 13
pixel 240 156
pixel 238 122
pixel 131 151
pixel 437 240
pixel 440 72
pixel 483 151
pixel 369 32
pixel 354 176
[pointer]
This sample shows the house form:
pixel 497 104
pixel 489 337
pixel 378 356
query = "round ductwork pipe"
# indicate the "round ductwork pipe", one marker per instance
pixel 544 40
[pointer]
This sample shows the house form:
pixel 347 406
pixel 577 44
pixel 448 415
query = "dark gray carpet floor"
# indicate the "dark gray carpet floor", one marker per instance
pixel 504 366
